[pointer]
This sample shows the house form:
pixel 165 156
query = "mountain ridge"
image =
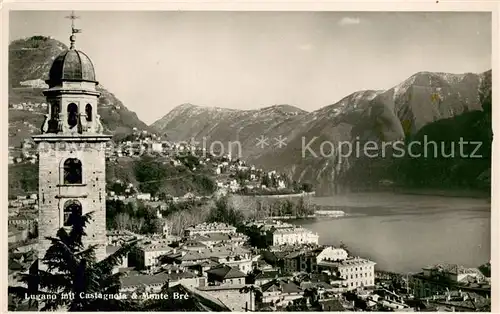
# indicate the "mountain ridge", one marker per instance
pixel 396 113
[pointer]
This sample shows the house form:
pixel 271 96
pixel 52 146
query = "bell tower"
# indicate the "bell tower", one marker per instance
pixel 72 151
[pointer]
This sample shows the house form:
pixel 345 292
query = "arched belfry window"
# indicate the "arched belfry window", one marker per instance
pixel 72 171
pixel 72 115
pixel 88 111
pixel 72 209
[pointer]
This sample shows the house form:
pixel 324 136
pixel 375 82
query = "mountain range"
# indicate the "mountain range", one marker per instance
pixel 426 103
pixel 440 105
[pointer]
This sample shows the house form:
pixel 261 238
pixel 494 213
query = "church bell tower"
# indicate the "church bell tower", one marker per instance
pixel 72 151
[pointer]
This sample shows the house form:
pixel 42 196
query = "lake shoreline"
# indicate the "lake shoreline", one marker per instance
pixel 445 193
pixel 403 233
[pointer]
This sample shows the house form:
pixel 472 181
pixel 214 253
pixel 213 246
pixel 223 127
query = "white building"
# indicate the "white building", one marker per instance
pixel 157 147
pixel 357 272
pixel 144 196
pixel 291 236
pixel 148 255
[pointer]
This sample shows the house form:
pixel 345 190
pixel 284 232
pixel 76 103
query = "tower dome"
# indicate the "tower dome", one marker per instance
pixel 71 65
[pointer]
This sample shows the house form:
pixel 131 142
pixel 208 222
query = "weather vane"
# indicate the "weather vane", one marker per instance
pixel 74 30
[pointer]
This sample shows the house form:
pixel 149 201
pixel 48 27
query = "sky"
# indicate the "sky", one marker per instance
pixel 155 61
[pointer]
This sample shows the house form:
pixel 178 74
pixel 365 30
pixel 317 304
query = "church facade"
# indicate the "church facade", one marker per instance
pixel 72 152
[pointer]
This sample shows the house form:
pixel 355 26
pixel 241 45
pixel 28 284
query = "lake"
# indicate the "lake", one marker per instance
pixel 404 233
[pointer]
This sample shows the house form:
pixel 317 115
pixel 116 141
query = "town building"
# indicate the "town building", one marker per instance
pixel 291 236
pixel 357 272
pixel 153 283
pixel 225 275
pixel 72 181
pixel 301 260
pixel 280 291
pixel 118 237
pixel 143 196
pixel 437 279
pixel 149 255
pixel 231 296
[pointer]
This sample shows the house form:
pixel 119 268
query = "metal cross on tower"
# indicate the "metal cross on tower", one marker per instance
pixel 74 30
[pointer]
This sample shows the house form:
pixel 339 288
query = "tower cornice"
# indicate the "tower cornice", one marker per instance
pixel 51 137
pixel 68 91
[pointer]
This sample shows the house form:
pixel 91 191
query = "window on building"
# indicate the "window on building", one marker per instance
pixel 88 111
pixel 72 171
pixel 72 115
pixel 72 209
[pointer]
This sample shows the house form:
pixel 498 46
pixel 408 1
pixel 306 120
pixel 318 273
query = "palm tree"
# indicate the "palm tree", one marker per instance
pixel 71 270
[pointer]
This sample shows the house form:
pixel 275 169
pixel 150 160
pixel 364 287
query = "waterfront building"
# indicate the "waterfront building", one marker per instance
pixel 437 279
pixel 276 233
pixel 291 236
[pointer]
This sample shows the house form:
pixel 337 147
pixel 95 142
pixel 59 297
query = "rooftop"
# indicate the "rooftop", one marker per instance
pixel 452 269
pixel 211 226
pixel 226 272
pixel 156 279
pixel 71 65
pixel 284 286
pixel 348 262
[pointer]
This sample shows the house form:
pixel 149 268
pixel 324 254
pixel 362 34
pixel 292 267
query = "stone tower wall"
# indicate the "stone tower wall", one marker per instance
pixel 53 193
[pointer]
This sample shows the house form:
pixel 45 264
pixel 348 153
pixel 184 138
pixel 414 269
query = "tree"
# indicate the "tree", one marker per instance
pixel 223 212
pixel 485 269
pixel 71 268
pixel 312 296
pixel 265 180
pixel 307 187
pixel 344 246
